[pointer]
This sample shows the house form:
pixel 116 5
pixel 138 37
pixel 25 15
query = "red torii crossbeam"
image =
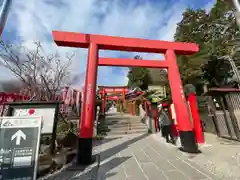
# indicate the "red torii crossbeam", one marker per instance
pixel 113 89
pixel 96 42
pixel 80 40
pixel 126 62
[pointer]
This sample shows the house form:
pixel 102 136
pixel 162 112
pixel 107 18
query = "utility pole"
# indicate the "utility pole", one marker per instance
pixel 6 4
pixel 237 13
pixel 230 59
pixel 235 70
pixel 237 5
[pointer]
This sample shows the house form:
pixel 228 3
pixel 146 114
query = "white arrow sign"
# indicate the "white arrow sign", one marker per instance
pixel 18 136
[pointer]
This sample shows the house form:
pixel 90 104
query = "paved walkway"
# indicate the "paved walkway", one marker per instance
pixel 137 157
pixel 220 156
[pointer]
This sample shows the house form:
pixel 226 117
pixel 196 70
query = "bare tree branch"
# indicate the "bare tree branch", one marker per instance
pixel 43 76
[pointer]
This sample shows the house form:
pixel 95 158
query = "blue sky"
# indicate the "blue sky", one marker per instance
pixel 33 20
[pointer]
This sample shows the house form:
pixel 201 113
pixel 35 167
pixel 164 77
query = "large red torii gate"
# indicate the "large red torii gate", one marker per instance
pixel 96 42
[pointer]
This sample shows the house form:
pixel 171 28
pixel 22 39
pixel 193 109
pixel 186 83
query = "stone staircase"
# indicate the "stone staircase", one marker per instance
pixel 124 124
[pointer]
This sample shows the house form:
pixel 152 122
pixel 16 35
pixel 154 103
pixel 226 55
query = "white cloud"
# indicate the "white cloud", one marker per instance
pixel 36 19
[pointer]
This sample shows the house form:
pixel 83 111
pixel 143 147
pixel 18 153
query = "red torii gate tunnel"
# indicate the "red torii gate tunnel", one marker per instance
pixel 96 42
pixel 104 90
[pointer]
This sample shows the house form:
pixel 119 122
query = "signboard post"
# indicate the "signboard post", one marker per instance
pixel 19 147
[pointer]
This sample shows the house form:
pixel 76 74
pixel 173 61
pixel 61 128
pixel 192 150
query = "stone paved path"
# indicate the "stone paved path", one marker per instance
pixel 137 157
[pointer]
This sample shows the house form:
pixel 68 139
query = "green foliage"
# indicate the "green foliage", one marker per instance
pixel 138 77
pixel 153 96
pixel 216 33
pixel 168 92
pixel 217 72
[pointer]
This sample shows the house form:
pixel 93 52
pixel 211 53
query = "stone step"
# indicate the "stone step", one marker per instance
pixel 115 132
pixel 126 125
pixel 119 125
pixel 122 116
pixel 123 122
pixel 126 128
pixel 114 120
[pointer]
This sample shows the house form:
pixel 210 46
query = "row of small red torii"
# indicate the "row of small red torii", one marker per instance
pixel 94 43
pixel 104 91
pixel 113 93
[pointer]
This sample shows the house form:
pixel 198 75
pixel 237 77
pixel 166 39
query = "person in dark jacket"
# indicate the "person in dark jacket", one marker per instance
pixel 166 125
pixel 159 118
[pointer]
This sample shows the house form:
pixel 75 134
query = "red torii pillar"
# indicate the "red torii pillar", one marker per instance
pixel 96 42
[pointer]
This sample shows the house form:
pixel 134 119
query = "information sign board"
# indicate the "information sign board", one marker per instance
pixel 47 113
pixel 19 147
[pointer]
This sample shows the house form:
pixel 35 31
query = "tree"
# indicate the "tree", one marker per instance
pixel 216 33
pixel 42 76
pixel 192 28
pixel 138 77
pixel 217 72
pixel 222 28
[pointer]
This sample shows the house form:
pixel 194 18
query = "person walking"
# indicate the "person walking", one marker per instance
pixel 160 118
pixel 166 125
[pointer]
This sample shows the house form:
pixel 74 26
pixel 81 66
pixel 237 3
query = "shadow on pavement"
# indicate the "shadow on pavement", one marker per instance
pixel 79 172
pixel 103 141
pixel 116 149
pixel 101 173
